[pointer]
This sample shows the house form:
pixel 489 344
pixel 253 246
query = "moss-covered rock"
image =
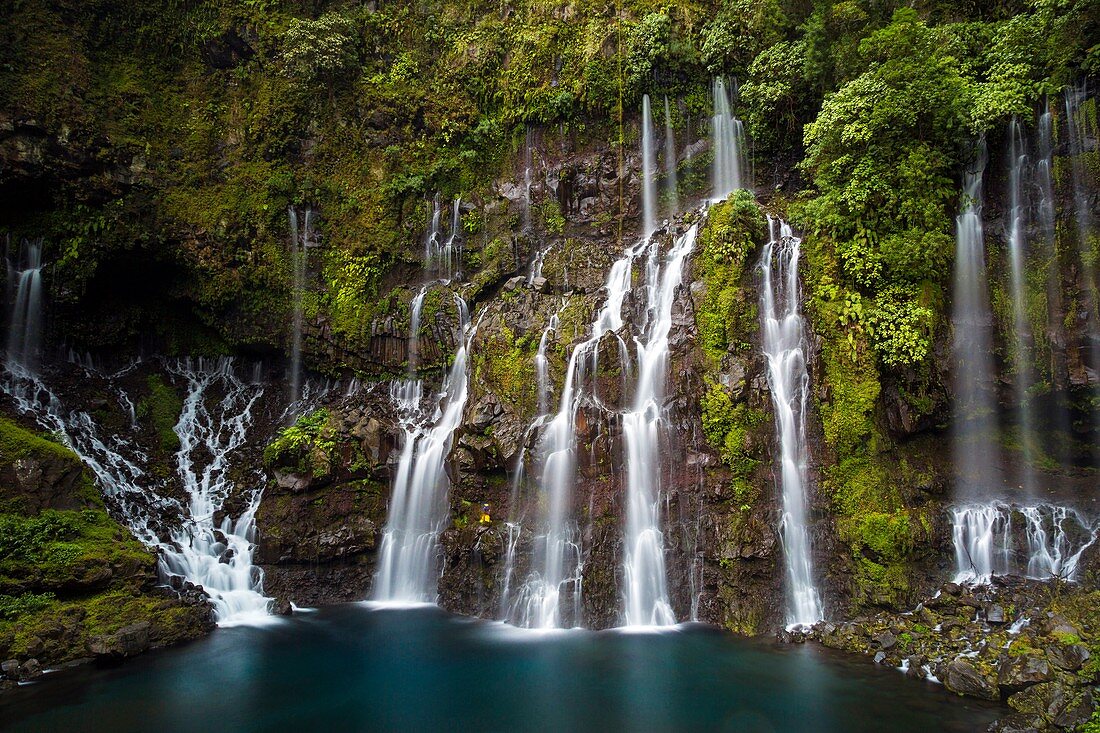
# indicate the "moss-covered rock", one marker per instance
pixel 69 573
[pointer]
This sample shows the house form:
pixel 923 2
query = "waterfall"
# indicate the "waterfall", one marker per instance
pixel 541 366
pixel 671 190
pixel 415 308
pixel 974 433
pixel 191 541
pixel 216 417
pixel 988 542
pixel 25 324
pixel 727 144
pixel 646 585
pixel 785 349
pixel 299 241
pixel 527 164
pixel 433 244
pixel 649 171
pixel 408 569
pixel 1024 378
pixel 1075 96
pixel 557 564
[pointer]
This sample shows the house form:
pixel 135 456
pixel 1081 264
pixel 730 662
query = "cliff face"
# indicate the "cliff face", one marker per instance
pixel 162 184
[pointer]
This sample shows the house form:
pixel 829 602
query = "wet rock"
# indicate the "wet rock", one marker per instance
pixel 880 657
pixel 541 284
pixel 126 642
pixel 295 482
pixel 1017 673
pixel 915 669
pixel 995 613
pixel 1077 709
pixel 886 640
pixel 1070 658
pixel 30 670
pixel 964 678
pixel 1016 723
pixel 10 669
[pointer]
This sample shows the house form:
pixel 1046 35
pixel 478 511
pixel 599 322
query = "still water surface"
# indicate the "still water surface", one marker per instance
pixel 358 668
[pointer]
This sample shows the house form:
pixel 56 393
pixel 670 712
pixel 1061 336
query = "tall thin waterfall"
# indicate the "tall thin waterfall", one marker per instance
pixel 25 324
pixel 527 173
pixel 649 171
pixel 646 584
pixel 728 136
pixel 299 242
pixel 409 559
pixel 975 425
pixel 1024 378
pixel 1075 96
pixel 671 189
pixel 785 349
pixel 216 418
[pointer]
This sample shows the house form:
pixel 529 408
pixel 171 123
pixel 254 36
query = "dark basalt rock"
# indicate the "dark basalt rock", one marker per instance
pixel 965 679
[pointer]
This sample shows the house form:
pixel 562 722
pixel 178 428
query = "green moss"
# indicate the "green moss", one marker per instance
pixel 66 549
pixel 726 314
pixel 505 366
pixel 304 447
pixel 161 406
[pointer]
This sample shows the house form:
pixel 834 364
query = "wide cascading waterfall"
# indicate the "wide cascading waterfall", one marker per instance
pixel 1038 541
pixel 975 426
pixel 1021 341
pixel 649 171
pixel 784 345
pixel 672 191
pixel 727 143
pixel 208 551
pixel 196 540
pixel 25 323
pixel 299 242
pixel 645 578
pixel 408 570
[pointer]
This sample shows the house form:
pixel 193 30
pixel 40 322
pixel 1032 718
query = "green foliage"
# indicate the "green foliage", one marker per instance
pixel 900 327
pixel 726 427
pixel 775 94
pixel 303 447
pixel 505 365
pixel 66 549
pixel 321 50
pixel 739 32
pixel 13 607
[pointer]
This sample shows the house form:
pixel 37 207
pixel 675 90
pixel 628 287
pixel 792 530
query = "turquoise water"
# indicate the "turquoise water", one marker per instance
pixel 355 668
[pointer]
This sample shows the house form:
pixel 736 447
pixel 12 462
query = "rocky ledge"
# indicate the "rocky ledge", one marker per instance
pixel 1034 645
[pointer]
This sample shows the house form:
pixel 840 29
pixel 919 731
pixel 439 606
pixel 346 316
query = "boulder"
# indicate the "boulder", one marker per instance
pixel 1070 658
pixel 30 670
pixel 995 613
pixel 886 640
pixel 1015 674
pixel 10 669
pixel 126 642
pixel 963 678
